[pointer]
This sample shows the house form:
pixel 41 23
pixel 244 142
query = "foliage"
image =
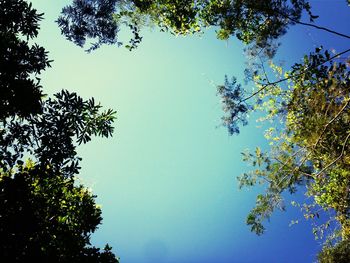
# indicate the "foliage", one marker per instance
pixel 60 216
pixel 254 22
pixel 309 142
pixel 340 253
pixel 234 105
pixel 51 136
pixel 44 215
pixel 19 60
pixel 90 19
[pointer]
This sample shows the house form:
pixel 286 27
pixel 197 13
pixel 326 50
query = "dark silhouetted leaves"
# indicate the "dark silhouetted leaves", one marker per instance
pixel 234 105
pixel 340 253
pixel 90 19
pixel 45 216
pixel 51 136
pixel 19 61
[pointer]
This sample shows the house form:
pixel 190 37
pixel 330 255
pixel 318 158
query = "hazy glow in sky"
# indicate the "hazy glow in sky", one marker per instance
pixel 166 180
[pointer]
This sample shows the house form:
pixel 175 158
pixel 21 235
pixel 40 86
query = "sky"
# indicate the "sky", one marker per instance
pixel 166 181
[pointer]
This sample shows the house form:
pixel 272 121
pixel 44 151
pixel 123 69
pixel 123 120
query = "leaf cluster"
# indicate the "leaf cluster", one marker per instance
pixel 90 19
pixel 51 137
pixel 234 106
pixel 340 253
pixel 45 217
pixel 20 61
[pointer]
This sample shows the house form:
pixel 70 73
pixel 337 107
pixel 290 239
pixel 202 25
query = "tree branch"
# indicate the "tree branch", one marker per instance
pixel 330 122
pixel 276 11
pixel 266 85
pixel 317 27
pixel 336 159
pixel 323 131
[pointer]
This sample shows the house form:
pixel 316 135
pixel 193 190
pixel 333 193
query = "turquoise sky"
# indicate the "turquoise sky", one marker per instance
pixel 166 180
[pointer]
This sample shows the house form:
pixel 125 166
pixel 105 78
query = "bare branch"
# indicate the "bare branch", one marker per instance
pixel 318 27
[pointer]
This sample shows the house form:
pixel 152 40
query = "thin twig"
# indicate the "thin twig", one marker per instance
pixel 265 85
pixel 276 11
pixel 323 131
pixel 330 122
pixel 336 159
pixel 318 27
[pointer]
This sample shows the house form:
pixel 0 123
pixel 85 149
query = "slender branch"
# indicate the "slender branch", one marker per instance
pixel 263 68
pixel 331 121
pixel 265 179
pixel 323 131
pixel 289 172
pixel 328 107
pixel 265 85
pixel 276 11
pixel 256 92
pixel 336 159
pixel 318 27
pixel 307 68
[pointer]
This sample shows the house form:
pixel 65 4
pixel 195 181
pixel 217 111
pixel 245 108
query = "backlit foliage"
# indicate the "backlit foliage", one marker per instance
pixel 309 109
pixel 20 61
pixel 45 216
pixel 254 22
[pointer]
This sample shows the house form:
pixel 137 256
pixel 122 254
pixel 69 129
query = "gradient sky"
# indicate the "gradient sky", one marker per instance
pixel 167 179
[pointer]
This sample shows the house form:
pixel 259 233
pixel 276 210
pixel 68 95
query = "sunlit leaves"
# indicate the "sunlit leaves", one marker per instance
pixel 309 142
pixel 338 254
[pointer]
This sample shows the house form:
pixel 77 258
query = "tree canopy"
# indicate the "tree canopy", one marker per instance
pixel 45 216
pixel 309 142
pixel 340 253
pixel 20 61
pixel 257 23
pixel 59 214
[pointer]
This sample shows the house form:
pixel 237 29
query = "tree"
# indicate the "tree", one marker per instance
pixel 308 107
pixel 20 61
pixel 59 215
pixel 45 216
pixel 90 19
pixel 309 142
pixel 337 254
pixel 51 136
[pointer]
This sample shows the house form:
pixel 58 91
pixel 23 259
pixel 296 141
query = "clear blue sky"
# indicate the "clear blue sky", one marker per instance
pixel 167 179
